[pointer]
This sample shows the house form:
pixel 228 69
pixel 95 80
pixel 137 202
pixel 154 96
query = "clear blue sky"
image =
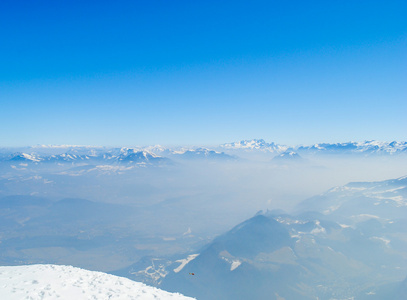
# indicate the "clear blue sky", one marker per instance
pixel 202 72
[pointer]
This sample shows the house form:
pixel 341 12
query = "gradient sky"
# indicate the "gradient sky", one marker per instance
pixel 122 73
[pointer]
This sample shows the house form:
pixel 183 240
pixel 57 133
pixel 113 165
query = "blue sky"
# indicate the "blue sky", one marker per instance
pixel 202 72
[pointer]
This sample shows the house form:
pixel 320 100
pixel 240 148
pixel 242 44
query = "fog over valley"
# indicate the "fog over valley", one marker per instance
pixel 308 216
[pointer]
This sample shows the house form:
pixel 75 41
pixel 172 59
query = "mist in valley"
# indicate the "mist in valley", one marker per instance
pixel 136 213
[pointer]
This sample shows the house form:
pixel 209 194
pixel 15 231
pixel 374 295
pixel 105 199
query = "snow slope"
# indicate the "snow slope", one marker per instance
pixel 67 282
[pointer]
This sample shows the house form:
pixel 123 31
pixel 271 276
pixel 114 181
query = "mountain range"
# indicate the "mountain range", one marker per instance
pixel 151 155
pixel 347 243
pixel 366 147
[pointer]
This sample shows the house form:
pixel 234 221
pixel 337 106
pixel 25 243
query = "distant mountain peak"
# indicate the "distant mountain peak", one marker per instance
pixel 381 199
pixel 287 156
pixel 203 153
pixel 24 157
pixel 134 155
pixel 255 144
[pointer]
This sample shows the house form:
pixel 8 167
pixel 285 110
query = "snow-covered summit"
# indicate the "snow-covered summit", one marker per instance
pixel 137 156
pixel 255 144
pixel 288 156
pixel 67 282
pixel 24 157
pixel 156 149
pixel 203 153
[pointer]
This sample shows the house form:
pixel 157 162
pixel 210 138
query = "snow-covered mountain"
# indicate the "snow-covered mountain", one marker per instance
pixel 157 153
pixel 67 282
pixel 139 156
pixel 23 157
pixel 255 144
pixel 289 156
pixel 122 155
pixel 381 200
pixel 349 242
pixel 271 257
pixel 366 147
pixel 202 153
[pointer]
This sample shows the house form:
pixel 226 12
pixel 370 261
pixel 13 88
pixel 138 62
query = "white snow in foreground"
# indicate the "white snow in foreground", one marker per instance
pixel 184 262
pixel 66 282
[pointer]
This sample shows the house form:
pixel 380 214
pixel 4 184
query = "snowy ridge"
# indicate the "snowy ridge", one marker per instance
pixel 25 157
pixel 76 153
pixel 125 153
pixel 202 153
pixel 67 282
pixel 65 146
pixel 128 155
pixel 357 147
pixel 348 147
pixel 255 144
pixel 382 192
